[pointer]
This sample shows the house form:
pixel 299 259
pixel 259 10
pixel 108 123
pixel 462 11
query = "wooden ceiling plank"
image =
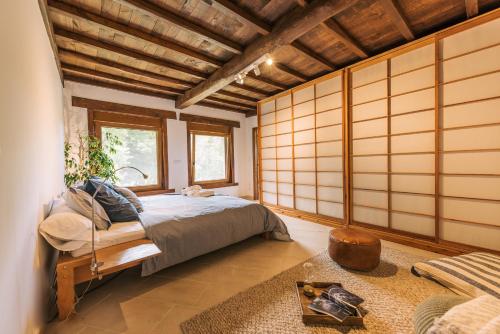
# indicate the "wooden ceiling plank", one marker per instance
pixel 393 10
pixel 77 12
pixel 267 81
pixel 251 89
pixel 297 75
pixel 313 55
pixel 180 21
pixel 231 103
pixel 472 8
pixel 127 52
pixel 218 106
pixel 288 29
pixel 238 96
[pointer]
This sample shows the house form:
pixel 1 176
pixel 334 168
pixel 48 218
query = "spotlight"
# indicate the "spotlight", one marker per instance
pixel 269 61
pixel 256 70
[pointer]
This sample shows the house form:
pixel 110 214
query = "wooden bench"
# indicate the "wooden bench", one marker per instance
pixel 75 270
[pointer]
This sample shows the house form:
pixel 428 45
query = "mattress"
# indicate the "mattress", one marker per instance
pixel 118 233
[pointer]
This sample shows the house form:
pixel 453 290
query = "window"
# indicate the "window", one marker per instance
pixel 210 155
pixel 139 149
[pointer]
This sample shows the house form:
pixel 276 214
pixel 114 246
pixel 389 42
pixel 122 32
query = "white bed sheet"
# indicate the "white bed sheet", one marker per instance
pixel 118 233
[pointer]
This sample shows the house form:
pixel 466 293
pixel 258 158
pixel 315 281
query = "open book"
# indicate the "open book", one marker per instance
pixel 337 303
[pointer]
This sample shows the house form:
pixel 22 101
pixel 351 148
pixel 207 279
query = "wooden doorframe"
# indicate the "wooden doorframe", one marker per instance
pixel 255 164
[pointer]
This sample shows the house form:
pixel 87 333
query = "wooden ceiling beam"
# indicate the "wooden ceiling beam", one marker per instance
pixel 267 81
pixel 79 13
pixel 393 10
pixel 128 52
pixel 231 103
pixel 297 75
pixel 263 28
pixel 472 8
pixel 180 21
pixel 218 106
pixel 251 89
pixel 288 29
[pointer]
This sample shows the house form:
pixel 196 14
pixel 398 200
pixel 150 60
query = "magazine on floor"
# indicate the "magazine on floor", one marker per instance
pixel 337 303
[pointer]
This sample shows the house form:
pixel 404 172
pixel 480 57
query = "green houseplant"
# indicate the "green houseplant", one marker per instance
pixel 89 158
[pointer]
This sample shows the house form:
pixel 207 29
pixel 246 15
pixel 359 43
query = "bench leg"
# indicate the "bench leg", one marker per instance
pixel 65 290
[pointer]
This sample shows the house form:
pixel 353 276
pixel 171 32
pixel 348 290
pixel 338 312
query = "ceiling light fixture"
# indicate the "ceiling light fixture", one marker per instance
pixel 269 60
pixel 256 70
pixel 240 77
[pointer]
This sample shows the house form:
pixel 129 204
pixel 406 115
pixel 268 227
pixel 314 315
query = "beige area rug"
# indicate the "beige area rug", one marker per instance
pixel 391 294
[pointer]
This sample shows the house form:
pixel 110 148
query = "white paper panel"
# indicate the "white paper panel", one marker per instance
pixel 329 86
pixel 267 119
pixel 330 179
pixel 284 127
pixel 471 163
pixel 480 112
pixel 284 152
pixel 470 210
pixel 420 184
pixel 329 117
pixel 423 99
pixel 414 59
pixel 268 142
pixel 369 164
pixel 285 164
pixel 331 209
pixel 305 191
pixel 369 110
pixel 284 101
pixel 267 107
pixel 284 176
pixel 332 101
pixel 483 187
pixel 377 127
pixel 269 187
pixel 286 201
pixel 370 216
pixel 268 130
pixel 471 39
pixel 284 140
pixel 413 223
pixel 268 175
pixel 479 62
pixel 370 181
pixel 331 194
pixel 329 133
pixel 421 163
pixel 420 142
pixel 305 164
pixel 370 146
pixel 376 90
pixel 305 178
pixel 423 204
pixel 330 164
pixel 268 153
pixel 369 74
pixel 331 148
pixel 304 137
pixel 470 139
pixel 302 95
pixel 303 109
pixel 408 82
pixel 370 198
pixel 303 123
pixel 285 188
pixel 304 151
pixel 477 88
pixel 421 121
pixel 308 205
pixel 269 198
pixel 471 234
pixel 284 115
pixel 269 164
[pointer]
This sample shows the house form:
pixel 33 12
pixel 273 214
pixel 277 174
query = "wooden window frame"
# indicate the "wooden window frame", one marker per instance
pixel 194 129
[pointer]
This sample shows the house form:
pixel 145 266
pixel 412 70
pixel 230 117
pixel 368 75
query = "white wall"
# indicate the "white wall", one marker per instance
pixel 31 162
pixel 76 122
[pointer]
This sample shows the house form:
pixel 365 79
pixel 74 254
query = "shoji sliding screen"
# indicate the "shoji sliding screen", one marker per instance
pixel 470 137
pixel 302 149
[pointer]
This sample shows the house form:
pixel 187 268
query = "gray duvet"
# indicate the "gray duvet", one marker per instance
pixel 185 227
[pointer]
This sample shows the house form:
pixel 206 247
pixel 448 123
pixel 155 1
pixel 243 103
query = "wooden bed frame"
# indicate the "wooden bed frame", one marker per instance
pixel 74 270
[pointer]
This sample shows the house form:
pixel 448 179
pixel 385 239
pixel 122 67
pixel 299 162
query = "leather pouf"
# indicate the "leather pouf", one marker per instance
pixel 354 249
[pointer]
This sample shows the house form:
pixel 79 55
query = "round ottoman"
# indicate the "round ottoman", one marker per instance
pixel 354 249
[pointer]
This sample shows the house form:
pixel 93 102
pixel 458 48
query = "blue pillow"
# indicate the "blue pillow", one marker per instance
pixel 117 207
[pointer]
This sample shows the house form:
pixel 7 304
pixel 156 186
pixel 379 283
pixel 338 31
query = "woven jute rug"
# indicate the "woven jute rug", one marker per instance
pixel 391 294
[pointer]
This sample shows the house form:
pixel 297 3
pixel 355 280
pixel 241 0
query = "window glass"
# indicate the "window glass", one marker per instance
pixel 139 149
pixel 210 158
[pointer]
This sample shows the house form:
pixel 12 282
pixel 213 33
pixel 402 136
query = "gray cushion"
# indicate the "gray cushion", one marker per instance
pixel 81 202
pixel 131 196
pixel 432 308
